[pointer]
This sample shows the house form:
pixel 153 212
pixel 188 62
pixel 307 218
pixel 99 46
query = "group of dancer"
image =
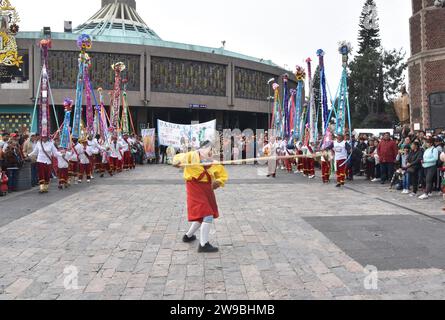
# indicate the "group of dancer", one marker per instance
pixel 300 158
pixel 85 157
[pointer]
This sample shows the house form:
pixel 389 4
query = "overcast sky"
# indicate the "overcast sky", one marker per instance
pixel 284 31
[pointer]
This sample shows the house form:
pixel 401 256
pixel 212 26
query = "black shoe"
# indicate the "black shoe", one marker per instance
pixel 339 185
pixel 208 248
pixel 186 239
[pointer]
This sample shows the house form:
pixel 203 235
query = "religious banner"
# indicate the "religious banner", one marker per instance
pixel 185 136
pixel 148 136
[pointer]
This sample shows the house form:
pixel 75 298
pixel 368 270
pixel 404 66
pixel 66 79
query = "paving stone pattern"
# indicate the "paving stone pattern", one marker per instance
pixel 289 238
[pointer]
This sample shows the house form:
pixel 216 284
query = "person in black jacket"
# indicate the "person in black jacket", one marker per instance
pixel 414 166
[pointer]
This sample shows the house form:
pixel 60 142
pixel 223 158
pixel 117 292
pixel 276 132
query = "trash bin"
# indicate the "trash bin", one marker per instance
pixel 24 181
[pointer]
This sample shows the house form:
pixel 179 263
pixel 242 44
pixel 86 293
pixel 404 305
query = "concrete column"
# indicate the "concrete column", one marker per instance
pixel 148 82
pixel 142 77
pixel 230 84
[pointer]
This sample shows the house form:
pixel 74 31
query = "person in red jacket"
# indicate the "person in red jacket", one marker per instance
pixel 387 152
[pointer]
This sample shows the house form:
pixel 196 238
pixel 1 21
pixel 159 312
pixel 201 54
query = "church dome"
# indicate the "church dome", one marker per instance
pixel 117 18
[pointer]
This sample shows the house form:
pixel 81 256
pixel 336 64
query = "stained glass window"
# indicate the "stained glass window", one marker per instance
pixel 64 67
pixel 15 122
pixel 187 77
pixel 251 84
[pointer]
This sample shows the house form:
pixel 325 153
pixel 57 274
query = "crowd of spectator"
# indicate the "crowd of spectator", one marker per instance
pixel 411 162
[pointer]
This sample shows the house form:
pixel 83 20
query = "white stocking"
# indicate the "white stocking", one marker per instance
pixel 205 231
pixel 195 226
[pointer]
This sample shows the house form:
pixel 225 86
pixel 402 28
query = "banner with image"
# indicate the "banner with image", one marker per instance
pixel 185 136
pixel 149 136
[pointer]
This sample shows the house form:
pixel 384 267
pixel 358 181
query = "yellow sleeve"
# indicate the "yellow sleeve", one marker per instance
pixel 221 175
pixel 179 159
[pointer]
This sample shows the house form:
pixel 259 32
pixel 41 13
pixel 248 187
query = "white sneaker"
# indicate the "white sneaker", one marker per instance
pixel 311 177
pixel 88 181
pixel 430 194
pixel 375 180
pixel 405 191
pixel 413 195
pixel 424 197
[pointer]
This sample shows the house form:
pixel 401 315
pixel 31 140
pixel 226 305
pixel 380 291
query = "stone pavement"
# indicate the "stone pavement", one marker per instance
pixel 289 238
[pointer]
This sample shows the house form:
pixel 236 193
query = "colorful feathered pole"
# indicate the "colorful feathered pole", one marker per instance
pixel 298 125
pixel 115 108
pixel 125 121
pixel 88 95
pixel 84 43
pixel 312 109
pixel 324 95
pixel 342 101
pixel 285 108
pixel 44 114
pixel 292 112
pixel 278 115
pixel 65 136
pixel 103 116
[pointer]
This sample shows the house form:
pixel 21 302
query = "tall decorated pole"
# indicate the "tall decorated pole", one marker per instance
pixel 44 110
pixel 125 120
pixel 312 108
pixel 285 107
pixel 324 95
pixel 84 43
pixel 102 115
pixel 292 112
pixel 277 123
pixel 88 95
pixel 65 136
pixel 116 94
pixel 299 99
pixel 342 102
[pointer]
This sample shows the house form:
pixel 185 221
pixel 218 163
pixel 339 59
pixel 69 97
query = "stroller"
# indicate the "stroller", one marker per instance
pixel 397 180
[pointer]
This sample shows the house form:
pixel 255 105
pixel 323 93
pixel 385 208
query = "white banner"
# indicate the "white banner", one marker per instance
pixel 183 136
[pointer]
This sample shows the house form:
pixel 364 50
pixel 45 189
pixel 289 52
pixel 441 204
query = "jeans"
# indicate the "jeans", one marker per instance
pixel 387 171
pixel 406 181
pixel 414 179
pixel 429 178
pixel 378 174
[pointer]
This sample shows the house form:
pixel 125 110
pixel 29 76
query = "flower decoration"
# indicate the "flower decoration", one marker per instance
pixel 68 104
pixel 275 86
pixel 344 48
pixel 285 77
pixel 45 43
pixel 84 42
pixel 320 53
pixel 300 73
pixel 120 66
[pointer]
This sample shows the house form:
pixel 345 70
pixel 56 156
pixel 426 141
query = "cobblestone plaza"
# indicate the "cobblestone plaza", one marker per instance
pixel 288 238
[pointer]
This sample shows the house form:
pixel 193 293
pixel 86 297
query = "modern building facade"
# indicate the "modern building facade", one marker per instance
pixel 427 66
pixel 170 81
